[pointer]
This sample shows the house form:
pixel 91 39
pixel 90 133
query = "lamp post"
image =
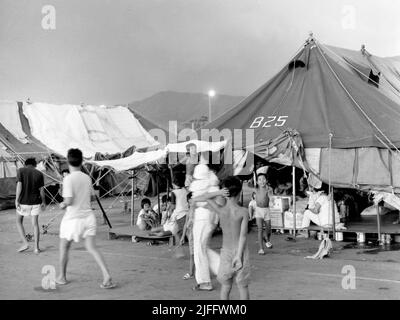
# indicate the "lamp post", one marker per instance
pixel 211 94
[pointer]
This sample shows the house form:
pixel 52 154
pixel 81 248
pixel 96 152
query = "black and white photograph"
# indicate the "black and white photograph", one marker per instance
pixel 198 151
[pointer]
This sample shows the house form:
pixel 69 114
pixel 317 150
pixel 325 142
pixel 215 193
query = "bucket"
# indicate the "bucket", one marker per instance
pixel 339 236
pixel 360 237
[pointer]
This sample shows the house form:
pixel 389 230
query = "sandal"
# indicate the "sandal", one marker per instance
pixel 187 276
pixel 199 288
pixel 108 285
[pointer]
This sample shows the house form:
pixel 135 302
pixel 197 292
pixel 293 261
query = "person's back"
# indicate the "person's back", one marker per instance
pixel 231 217
pixel 234 258
pixel 78 186
pixel 181 204
pixel 32 180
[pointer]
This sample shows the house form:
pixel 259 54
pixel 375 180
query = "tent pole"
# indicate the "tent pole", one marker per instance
pixel 132 200
pixel 158 193
pixel 241 196
pixel 378 220
pixel 333 214
pixel 294 199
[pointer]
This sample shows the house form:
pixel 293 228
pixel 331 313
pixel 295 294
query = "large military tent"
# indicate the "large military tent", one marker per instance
pixel 334 113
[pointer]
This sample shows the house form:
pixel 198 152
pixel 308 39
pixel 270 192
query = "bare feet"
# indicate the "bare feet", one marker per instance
pixel 23 248
pixel 61 281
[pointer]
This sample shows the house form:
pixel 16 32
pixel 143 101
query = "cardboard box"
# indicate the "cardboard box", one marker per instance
pixel 277 218
pixel 288 220
pixel 279 203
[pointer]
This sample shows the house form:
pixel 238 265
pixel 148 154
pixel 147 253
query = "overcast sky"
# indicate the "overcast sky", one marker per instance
pixel 117 51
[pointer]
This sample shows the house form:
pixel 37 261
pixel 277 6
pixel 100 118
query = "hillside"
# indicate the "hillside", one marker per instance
pixel 182 107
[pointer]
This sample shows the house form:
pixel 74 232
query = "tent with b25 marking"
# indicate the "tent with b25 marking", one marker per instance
pixel 330 107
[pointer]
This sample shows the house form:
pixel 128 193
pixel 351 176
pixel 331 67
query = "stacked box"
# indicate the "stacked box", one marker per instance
pixel 279 203
pixel 288 220
pixel 277 219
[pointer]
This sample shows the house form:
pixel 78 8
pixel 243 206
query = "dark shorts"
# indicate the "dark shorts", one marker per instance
pixel 226 274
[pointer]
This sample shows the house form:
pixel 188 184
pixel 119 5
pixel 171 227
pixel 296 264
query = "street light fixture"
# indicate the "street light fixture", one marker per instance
pixel 211 93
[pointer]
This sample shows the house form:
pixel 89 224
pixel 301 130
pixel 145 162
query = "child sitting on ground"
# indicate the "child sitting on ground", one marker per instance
pixel 234 258
pixel 147 218
pixel 262 213
pixel 163 208
pixel 188 232
pixel 177 210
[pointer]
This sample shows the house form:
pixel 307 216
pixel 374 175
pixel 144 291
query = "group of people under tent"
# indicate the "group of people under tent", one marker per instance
pixel 192 211
pixel 194 208
pixel 182 214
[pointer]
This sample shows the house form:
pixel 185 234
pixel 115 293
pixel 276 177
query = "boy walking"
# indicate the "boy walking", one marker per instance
pixel 262 213
pixel 234 258
pixel 79 220
pixel 29 200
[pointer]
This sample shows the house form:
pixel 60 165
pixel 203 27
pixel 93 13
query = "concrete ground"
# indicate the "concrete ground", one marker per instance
pixel 151 272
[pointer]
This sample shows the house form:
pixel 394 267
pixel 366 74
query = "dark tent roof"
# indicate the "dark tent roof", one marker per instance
pixel 309 95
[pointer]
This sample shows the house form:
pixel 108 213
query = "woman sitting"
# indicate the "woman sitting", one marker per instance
pixel 319 209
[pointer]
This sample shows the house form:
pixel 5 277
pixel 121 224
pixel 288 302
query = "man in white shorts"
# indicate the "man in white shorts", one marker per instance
pixel 29 200
pixel 79 220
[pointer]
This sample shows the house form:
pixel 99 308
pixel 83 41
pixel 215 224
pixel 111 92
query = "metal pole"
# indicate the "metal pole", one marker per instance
pixel 333 214
pixel 378 220
pixel 158 194
pixel 294 199
pixel 132 199
pixel 241 196
pixel 209 108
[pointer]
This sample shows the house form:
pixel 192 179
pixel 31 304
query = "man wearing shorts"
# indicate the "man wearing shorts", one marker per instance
pixel 29 200
pixel 79 220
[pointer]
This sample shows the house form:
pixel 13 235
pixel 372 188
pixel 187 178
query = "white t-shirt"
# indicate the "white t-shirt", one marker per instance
pixel 325 213
pixel 78 186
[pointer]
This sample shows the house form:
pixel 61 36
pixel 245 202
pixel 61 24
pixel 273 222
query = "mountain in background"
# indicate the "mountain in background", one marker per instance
pixel 185 108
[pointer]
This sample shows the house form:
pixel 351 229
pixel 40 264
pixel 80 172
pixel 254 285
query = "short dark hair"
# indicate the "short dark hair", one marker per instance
pixel 30 161
pixel 179 179
pixel 145 201
pixel 233 184
pixel 74 157
pixel 262 175
pixel 165 198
